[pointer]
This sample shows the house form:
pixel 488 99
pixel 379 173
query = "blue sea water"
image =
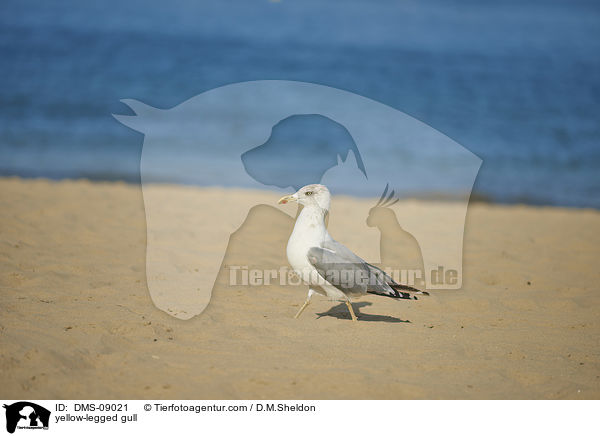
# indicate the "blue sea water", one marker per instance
pixel 517 83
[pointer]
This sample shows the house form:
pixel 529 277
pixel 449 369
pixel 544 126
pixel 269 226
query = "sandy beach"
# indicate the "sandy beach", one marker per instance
pixel 77 321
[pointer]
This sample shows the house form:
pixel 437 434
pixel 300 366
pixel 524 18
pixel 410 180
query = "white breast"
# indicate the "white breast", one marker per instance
pixel 309 231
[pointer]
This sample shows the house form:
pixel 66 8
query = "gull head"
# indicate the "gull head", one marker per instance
pixel 310 196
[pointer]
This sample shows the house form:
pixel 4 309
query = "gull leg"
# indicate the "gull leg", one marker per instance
pixel 306 303
pixel 351 310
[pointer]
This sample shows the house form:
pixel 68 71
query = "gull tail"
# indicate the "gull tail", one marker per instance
pixel 387 287
pixel 401 292
pixel 407 292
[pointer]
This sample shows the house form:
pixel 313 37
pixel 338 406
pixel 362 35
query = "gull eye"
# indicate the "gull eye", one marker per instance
pixel 308 193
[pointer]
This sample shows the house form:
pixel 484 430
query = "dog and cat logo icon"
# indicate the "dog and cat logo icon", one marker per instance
pixel 26 415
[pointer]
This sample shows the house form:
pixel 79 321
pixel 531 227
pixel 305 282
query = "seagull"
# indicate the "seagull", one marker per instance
pixel 328 267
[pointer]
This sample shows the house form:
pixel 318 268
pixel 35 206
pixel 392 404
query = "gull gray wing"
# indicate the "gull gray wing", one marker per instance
pixel 390 288
pixel 343 269
pixel 342 251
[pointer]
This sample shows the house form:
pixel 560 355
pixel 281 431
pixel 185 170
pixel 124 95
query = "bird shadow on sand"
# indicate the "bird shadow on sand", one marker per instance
pixel 341 312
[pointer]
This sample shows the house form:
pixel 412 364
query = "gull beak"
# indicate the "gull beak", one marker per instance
pixel 286 198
